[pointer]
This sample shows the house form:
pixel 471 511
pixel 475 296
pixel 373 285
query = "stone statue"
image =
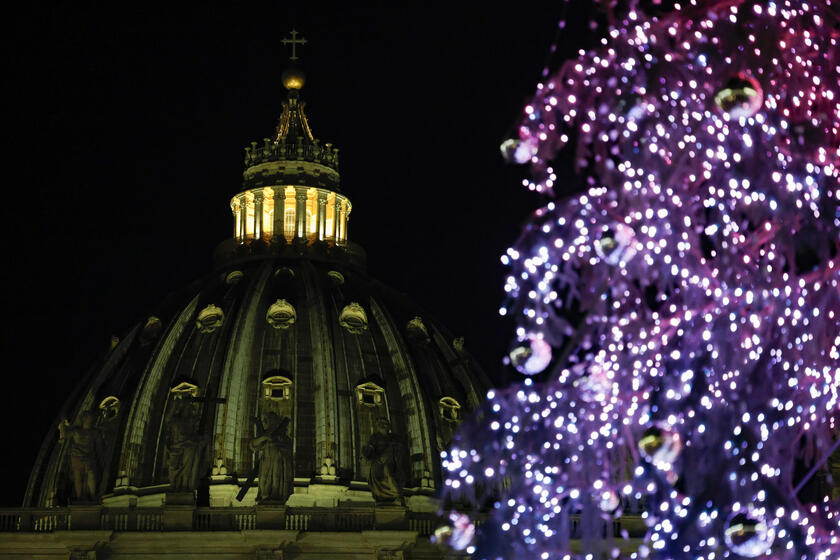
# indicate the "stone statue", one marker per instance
pixel 384 452
pixel 182 452
pixel 84 450
pixel 276 464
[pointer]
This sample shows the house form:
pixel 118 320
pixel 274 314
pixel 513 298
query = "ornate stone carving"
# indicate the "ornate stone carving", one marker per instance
pixel 458 344
pixel 219 473
pixel 281 314
pixel 327 470
pixel 151 330
pixel 384 452
pixel 209 319
pixel 110 407
pixel 336 277
pixel 275 462
pixel 233 277
pixel 184 389
pixel 122 482
pixel 284 272
pixel 183 447
pixel 277 388
pixel 84 449
pixel 427 482
pixel 353 318
pixel 416 330
pixel 450 409
pixel 369 394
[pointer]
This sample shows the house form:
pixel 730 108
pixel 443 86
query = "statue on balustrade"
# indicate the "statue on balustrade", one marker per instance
pixel 183 448
pixel 276 465
pixel 84 449
pixel 384 451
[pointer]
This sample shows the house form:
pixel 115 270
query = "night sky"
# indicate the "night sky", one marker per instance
pixel 125 135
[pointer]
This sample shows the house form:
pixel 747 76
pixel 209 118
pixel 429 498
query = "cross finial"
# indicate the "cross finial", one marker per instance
pixel 294 41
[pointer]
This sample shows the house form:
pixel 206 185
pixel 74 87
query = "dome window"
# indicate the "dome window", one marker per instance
pixel 336 277
pixel 450 409
pixel 417 330
pixel 284 272
pixel 369 394
pixel 151 330
pixel 233 277
pixel 277 388
pixel 184 389
pixel 209 319
pixel 110 407
pixel 353 318
pixel 281 314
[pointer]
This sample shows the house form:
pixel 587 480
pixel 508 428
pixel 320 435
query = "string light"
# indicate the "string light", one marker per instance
pixel 690 292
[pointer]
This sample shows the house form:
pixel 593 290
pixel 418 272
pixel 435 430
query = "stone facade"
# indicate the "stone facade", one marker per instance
pixel 287 362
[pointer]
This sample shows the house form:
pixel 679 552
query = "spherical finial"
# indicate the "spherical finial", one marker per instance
pixel 293 78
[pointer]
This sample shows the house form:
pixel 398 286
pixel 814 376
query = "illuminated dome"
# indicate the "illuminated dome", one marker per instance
pixel 288 330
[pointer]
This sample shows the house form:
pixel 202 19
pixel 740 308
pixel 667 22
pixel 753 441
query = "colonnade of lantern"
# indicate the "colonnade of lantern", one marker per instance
pixel 293 212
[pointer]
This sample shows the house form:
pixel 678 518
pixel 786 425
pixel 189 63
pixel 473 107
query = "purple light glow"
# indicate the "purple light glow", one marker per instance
pixel 693 286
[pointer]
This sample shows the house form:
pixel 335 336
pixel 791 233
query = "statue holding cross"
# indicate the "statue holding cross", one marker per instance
pixel 276 464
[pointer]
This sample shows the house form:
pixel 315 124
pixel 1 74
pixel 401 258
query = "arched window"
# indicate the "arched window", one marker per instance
pixel 289 222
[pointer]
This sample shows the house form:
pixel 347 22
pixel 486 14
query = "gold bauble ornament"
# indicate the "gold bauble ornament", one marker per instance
pixel 741 96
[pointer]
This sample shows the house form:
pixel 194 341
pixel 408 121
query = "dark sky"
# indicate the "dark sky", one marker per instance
pixel 125 135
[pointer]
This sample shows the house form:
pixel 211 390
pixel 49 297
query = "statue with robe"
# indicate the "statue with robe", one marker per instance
pixel 183 449
pixel 84 452
pixel 384 452
pixel 276 465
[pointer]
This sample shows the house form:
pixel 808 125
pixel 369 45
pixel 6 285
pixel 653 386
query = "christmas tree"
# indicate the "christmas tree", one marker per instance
pixel 677 297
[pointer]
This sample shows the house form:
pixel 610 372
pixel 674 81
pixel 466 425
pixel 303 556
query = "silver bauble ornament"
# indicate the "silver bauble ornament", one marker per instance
pixel 515 150
pixel 459 535
pixel 661 446
pixel 746 533
pixel 608 501
pixel 529 355
pixel 616 244
pixel 741 96
pixel 594 386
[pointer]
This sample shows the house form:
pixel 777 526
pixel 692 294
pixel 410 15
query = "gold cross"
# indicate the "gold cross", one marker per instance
pixel 294 41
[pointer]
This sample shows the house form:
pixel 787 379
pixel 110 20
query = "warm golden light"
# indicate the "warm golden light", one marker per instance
pixel 324 214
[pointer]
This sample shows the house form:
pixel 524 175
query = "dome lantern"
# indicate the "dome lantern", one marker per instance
pixel 291 182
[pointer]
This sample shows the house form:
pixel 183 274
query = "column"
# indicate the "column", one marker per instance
pixel 337 220
pixel 258 215
pixel 243 217
pixel 234 208
pixel 300 212
pixel 336 207
pixel 279 211
pixel 346 223
pixel 321 222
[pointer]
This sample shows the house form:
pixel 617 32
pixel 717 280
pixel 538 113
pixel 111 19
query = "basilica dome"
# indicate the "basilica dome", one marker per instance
pixel 287 331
